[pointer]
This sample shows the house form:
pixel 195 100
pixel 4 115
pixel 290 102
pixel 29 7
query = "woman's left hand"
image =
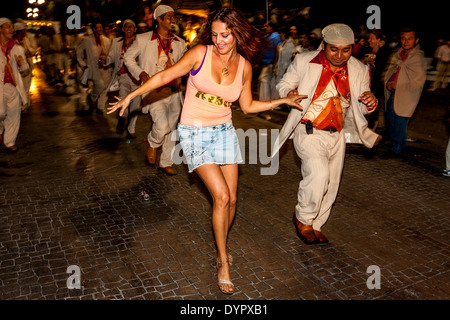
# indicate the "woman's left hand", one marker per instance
pixel 120 104
pixel 294 100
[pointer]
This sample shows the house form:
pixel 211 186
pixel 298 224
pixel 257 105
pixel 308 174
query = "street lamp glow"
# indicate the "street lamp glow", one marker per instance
pixel 31 1
pixel 35 10
pixel 40 1
pixel 29 9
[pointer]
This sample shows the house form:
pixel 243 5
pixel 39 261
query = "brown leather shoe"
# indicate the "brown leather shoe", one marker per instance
pixel 12 148
pixel 169 170
pixel 320 237
pixel 151 155
pixel 305 232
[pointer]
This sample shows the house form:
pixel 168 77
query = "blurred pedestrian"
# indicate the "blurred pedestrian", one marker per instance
pixel 266 79
pixel 12 90
pixel 283 57
pixel 121 79
pixel 338 89
pixel 442 55
pixel 220 73
pixel 156 51
pixel 91 56
pixel 404 80
pixel 376 60
pixel 446 172
pixel 20 32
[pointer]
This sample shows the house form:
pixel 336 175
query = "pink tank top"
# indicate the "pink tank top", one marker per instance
pixel 208 103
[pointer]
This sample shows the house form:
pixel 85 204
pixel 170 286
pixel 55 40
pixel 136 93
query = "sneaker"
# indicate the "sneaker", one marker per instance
pixel 446 173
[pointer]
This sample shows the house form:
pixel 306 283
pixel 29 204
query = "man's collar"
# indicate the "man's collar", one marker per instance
pixel 172 36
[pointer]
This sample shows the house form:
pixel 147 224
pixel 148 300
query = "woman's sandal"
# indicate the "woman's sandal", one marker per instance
pixel 223 281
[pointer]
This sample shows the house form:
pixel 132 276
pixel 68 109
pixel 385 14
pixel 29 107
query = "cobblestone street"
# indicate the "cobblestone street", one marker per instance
pixel 70 197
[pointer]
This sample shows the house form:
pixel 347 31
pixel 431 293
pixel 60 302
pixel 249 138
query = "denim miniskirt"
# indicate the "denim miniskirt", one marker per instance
pixel 213 144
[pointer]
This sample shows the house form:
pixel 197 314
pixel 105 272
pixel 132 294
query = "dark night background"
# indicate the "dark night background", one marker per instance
pixel 429 17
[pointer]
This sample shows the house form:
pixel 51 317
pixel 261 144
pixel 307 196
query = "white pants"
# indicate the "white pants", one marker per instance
pixel 322 154
pixel 99 92
pixel 10 114
pixel 165 107
pixel 447 156
pixel 266 84
pixel 126 85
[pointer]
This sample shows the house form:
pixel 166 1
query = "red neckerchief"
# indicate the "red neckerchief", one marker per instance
pixel 340 77
pixel 167 50
pixel 124 68
pixel 9 75
pixel 403 55
pixel 161 46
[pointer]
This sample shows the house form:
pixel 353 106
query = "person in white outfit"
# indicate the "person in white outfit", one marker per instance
pixel 283 57
pixel 95 47
pixel 337 86
pixel 19 28
pixel 158 50
pixel 12 92
pixel 122 79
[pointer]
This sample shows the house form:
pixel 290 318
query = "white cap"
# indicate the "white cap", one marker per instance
pixel 160 10
pixel 4 20
pixel 18 26
pixel 338 34
pixel 129 21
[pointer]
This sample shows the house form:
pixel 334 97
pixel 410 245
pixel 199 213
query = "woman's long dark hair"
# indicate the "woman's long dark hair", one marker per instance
pixel 250 41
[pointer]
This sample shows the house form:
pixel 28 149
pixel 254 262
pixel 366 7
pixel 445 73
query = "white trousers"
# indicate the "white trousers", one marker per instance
pixel 322 154
pixel 266 84
pixel 126 85
pixel 10 111
pixel 447 156
pixel 164 107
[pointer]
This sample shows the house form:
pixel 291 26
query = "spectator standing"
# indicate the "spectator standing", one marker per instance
pixel 266 80
pixel 376 60
pixel 404 81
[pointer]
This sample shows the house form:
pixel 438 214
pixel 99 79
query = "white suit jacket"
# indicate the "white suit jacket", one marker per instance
pixel 304 76
pixel 17 50
pixel 147 51
pixel 113 57
pixel 88 47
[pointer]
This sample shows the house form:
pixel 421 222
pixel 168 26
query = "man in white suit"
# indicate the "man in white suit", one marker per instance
pixel 337 86
pixel 95 47
pixel 13 63
pixel 121 79
pixel 158 50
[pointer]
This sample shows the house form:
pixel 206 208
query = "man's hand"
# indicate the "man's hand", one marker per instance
pixel 144 77
pixel 293 92
pixel 391 86
pixel 369 99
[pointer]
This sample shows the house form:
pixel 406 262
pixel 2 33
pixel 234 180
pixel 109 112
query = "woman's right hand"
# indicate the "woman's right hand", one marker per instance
pixel 121 104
